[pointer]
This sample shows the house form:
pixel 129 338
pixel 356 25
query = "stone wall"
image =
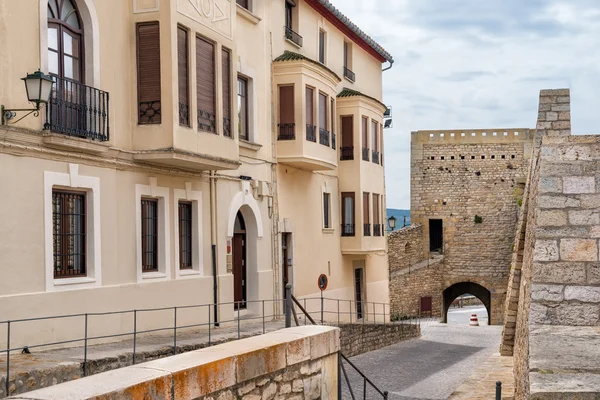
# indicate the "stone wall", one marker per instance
pixel 357 339
pixel 297 363
pixel 405 247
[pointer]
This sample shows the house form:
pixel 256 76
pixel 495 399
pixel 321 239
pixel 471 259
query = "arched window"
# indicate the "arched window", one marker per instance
pixel 65 40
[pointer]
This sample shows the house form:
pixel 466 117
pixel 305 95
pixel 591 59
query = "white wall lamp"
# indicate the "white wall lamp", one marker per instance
pixel 38 86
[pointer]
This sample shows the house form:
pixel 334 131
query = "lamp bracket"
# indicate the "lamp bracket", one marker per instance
pixel 8 114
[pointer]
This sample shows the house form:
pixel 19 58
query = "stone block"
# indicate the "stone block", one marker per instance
pixel 573 314
pixel 298 351
pixel 546 292
pixel 563 99
pixel 586 294
pixel 550 185
pixel 579 184
pixel 555 92
pixel 558 202
pixel 564 116
pixel 579 250
pixel 590 200
pixel 545 250
pixel 561 232
pixel 559 272
pixel 593 275
pixel 561 125
pixel 551 218
pixel 551 116
pixel 584 217
pixel 260 362
pixel 543 125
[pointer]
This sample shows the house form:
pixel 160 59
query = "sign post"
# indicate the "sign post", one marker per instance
pixel 322 283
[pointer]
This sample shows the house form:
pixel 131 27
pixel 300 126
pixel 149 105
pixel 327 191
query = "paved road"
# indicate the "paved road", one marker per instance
pixel 431 367
pixel 461 315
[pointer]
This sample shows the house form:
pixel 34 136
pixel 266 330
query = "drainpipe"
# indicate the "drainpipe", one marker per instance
pixel 213 241
pixel 389 66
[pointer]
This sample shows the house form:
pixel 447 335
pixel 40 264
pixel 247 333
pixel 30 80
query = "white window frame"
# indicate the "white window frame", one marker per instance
pixel 194 196
pixel 91 186
pixel 326 189
pixel 164 232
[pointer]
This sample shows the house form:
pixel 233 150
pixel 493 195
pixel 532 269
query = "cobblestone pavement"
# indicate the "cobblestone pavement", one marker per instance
pixel 431 367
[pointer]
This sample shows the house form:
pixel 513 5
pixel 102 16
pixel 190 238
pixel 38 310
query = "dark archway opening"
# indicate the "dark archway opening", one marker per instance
pixel 458 289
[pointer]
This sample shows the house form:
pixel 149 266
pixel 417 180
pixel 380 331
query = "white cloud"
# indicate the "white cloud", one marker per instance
pixel 464 64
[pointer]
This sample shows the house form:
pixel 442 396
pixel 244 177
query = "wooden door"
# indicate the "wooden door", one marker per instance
pixel 239 270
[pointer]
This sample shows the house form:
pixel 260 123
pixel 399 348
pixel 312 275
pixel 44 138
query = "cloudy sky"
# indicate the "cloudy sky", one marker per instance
pixel 463 64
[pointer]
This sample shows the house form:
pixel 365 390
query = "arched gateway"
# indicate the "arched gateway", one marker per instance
pixel 458 289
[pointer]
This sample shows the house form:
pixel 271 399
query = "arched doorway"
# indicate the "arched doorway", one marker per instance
pixel 239 262
pixel 458 289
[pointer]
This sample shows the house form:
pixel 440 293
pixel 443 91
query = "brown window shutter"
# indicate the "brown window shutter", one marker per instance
pixel 375 209
pixel 309 106
pixel 365 208
pixel 286 105
pixel 226 61
pixel 322 111
pixel 375 135
pixel 183 76
pixel 148 72
pixel 365 133
pixel 205 85
pixel 347 131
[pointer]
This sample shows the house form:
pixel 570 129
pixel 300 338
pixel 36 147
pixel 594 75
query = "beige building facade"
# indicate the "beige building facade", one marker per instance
pixel 191 152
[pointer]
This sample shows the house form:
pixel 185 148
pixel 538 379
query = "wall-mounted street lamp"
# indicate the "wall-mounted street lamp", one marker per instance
pixel 38 86
pixel 392 222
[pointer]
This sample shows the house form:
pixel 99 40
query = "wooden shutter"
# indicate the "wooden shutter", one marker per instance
pixel 226 80
pixel 375 209
pixel 347 131
pixel 322 111
pixel 286 105
pixel 205 85
pixel 365 133
pixel 148 72
pixel 366 208
pixel 332 116
pixel 309 106
pixel 183 76
pixel 375 135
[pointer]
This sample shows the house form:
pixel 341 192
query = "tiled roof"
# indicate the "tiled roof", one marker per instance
pixel 352 93
pixel 356 30
pixel 291 56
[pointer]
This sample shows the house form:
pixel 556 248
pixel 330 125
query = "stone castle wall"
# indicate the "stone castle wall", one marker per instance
pixel 357 339
pixel 458 176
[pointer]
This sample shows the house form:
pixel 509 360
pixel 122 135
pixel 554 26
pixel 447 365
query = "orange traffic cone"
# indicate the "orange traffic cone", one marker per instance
pixel 473 321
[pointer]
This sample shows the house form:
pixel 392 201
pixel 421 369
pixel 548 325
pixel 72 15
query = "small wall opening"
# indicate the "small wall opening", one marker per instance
pixel 473 297
pixel 436 236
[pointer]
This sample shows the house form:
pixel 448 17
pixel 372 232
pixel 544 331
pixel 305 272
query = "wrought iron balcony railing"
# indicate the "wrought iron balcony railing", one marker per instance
pixel 375 157
pixel 347 229
pixel 332 140
pixel 311 133
pixel 347 153
pixel 287 131
pixel 206 121
pixel 365 154
pixel 227 127
pixel 293 36
pixel 184 114
pixel 324 137
pixel 367 229
pixel 377 230
pixel 349 74
pixel 78 110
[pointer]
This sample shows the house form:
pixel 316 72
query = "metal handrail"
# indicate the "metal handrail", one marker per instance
pixel 293 36
pixel 341 356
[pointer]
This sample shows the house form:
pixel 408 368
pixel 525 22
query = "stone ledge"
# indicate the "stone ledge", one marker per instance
pixel 204 371
pixel 564 386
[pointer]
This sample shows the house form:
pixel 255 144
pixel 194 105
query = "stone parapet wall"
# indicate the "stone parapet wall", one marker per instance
pixel 295 363
pixel 405 247
pixel 357 339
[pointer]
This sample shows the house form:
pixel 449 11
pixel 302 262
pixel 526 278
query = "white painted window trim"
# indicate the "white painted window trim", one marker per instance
pixel 195 197
pixel 326 189
pixel 164 232
pixel 91 185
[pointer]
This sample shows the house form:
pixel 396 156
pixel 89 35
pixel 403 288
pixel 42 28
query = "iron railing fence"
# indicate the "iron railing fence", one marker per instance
pixel 332 140
pixel 375 157
pixel 287 131
pixel 346 153
pixel 311 133
pixel 78 110
pixel 324 137
pixel 327 310
pixel 347 229
pixel 290 309
pixel 293 36
pixel 349 74
pixel 365 154
pixel 367 230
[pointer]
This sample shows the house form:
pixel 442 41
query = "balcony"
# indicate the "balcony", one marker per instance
pixel 347 230
pixel 348 74
pixel 367 229
pixel 376 230
pixel 375 157
pixel 365 154
pixel 324 137
pixel 293 36
pixel 311 133
pixel 286 132
pixel 347 153
pixel 332 140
